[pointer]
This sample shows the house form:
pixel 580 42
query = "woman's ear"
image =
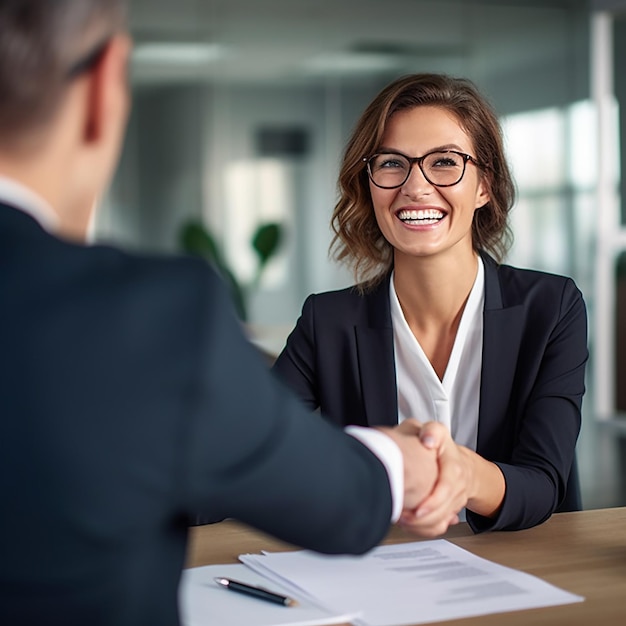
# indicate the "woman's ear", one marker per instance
pixel 482 193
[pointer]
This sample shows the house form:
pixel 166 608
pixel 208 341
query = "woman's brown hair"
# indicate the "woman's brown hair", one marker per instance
pixel 358 241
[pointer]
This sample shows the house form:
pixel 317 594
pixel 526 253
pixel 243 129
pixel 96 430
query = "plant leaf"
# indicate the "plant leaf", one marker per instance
pixel 195 239
pixel 266 240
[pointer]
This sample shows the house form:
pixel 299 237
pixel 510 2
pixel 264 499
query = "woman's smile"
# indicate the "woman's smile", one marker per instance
pixel 419 218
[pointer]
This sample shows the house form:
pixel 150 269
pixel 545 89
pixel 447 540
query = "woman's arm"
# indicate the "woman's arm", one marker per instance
pixel 547 417
pixel 525 489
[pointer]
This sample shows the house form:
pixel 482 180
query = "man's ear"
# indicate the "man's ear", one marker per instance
pixel 107 96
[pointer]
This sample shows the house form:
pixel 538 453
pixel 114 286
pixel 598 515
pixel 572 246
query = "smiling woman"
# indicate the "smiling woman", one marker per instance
pixel 431 210
pixel 490 357
pixel 466 125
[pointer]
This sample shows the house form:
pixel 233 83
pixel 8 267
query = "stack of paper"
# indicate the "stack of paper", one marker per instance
pixel 204 603
pixel 405 584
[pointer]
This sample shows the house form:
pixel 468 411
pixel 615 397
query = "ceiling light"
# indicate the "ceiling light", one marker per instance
pixel 179 54
pixel 349 63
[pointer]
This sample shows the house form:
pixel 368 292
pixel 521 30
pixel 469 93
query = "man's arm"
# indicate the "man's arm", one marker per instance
pixel 251 451
pixel 411 467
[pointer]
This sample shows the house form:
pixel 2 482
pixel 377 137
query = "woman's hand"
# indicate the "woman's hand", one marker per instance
pixel 465 480
pixel 440 509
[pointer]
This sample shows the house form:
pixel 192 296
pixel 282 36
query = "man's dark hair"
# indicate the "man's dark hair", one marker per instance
pixel 41 43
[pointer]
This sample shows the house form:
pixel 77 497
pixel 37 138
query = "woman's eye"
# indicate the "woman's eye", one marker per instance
pixel 391 163
pixel 445 162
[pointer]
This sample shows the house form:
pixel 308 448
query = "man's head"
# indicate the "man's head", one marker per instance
pixel 63 99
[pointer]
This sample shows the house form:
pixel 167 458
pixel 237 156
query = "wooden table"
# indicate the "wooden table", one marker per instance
pixel 583 552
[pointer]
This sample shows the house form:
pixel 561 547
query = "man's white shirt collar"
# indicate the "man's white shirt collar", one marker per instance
pixel 21 197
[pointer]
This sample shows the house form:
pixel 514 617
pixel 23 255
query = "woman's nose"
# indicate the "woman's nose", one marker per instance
pixel 416 184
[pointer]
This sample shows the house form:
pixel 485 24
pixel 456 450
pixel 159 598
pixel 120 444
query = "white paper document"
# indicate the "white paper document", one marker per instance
pixel 414 583
pixel 204 603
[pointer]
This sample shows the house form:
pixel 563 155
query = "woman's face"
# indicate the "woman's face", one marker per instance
pixel 419 219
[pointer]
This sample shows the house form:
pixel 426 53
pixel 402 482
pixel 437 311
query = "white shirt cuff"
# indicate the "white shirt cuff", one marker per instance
pixel 390 456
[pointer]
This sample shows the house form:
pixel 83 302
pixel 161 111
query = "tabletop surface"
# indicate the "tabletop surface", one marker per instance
pixel 582 552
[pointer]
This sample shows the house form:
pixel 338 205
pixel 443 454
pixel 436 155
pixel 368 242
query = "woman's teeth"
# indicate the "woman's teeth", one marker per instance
pixel 420 216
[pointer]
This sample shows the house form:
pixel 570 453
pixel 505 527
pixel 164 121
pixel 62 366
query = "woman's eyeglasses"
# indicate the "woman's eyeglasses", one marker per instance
pixel 442 168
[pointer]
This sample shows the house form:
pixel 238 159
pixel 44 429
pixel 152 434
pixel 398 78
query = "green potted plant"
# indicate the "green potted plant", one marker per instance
pixel 196 239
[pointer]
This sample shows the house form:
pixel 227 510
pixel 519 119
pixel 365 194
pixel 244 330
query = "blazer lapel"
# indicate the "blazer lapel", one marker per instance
pixel 502 334
pixel 374 339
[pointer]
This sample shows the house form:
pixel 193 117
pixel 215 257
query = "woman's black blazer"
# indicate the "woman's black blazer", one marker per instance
pixel 340 358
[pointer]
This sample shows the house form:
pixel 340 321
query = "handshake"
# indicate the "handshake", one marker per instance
pixel 437 476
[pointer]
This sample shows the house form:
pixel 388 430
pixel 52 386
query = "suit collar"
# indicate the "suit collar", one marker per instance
pixel 14 194
pixel 377 305
pixel 502 338
pixel 17 221
pixel 376 358
pixel 377 365
pixel 493 292
pixel 377 300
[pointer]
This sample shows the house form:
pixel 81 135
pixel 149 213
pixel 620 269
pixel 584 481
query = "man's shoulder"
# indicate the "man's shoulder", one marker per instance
pixel 177 286
pixel 106 282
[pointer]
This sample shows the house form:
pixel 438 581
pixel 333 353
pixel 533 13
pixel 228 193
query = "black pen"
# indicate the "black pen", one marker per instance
pixel 256 592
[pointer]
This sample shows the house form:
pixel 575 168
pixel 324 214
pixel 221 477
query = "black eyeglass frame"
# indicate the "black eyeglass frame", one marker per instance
pixel 420 160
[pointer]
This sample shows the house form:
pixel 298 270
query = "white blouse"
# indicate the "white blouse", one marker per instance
pixel 453 401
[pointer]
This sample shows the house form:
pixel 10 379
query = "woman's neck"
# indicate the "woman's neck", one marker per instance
pixel 432 293
pixel 433 290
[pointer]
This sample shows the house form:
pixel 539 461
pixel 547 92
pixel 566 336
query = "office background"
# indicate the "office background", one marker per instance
pixel 242 108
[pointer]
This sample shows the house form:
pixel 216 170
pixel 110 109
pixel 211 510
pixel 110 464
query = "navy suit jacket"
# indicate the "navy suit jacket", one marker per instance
pixel 340 359
pixel 129 401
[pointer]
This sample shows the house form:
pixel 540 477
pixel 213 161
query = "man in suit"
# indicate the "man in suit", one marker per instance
pixel 129 398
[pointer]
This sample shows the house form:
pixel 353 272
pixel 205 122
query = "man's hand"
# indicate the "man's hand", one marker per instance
pixel 420 462
pixel 434 515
